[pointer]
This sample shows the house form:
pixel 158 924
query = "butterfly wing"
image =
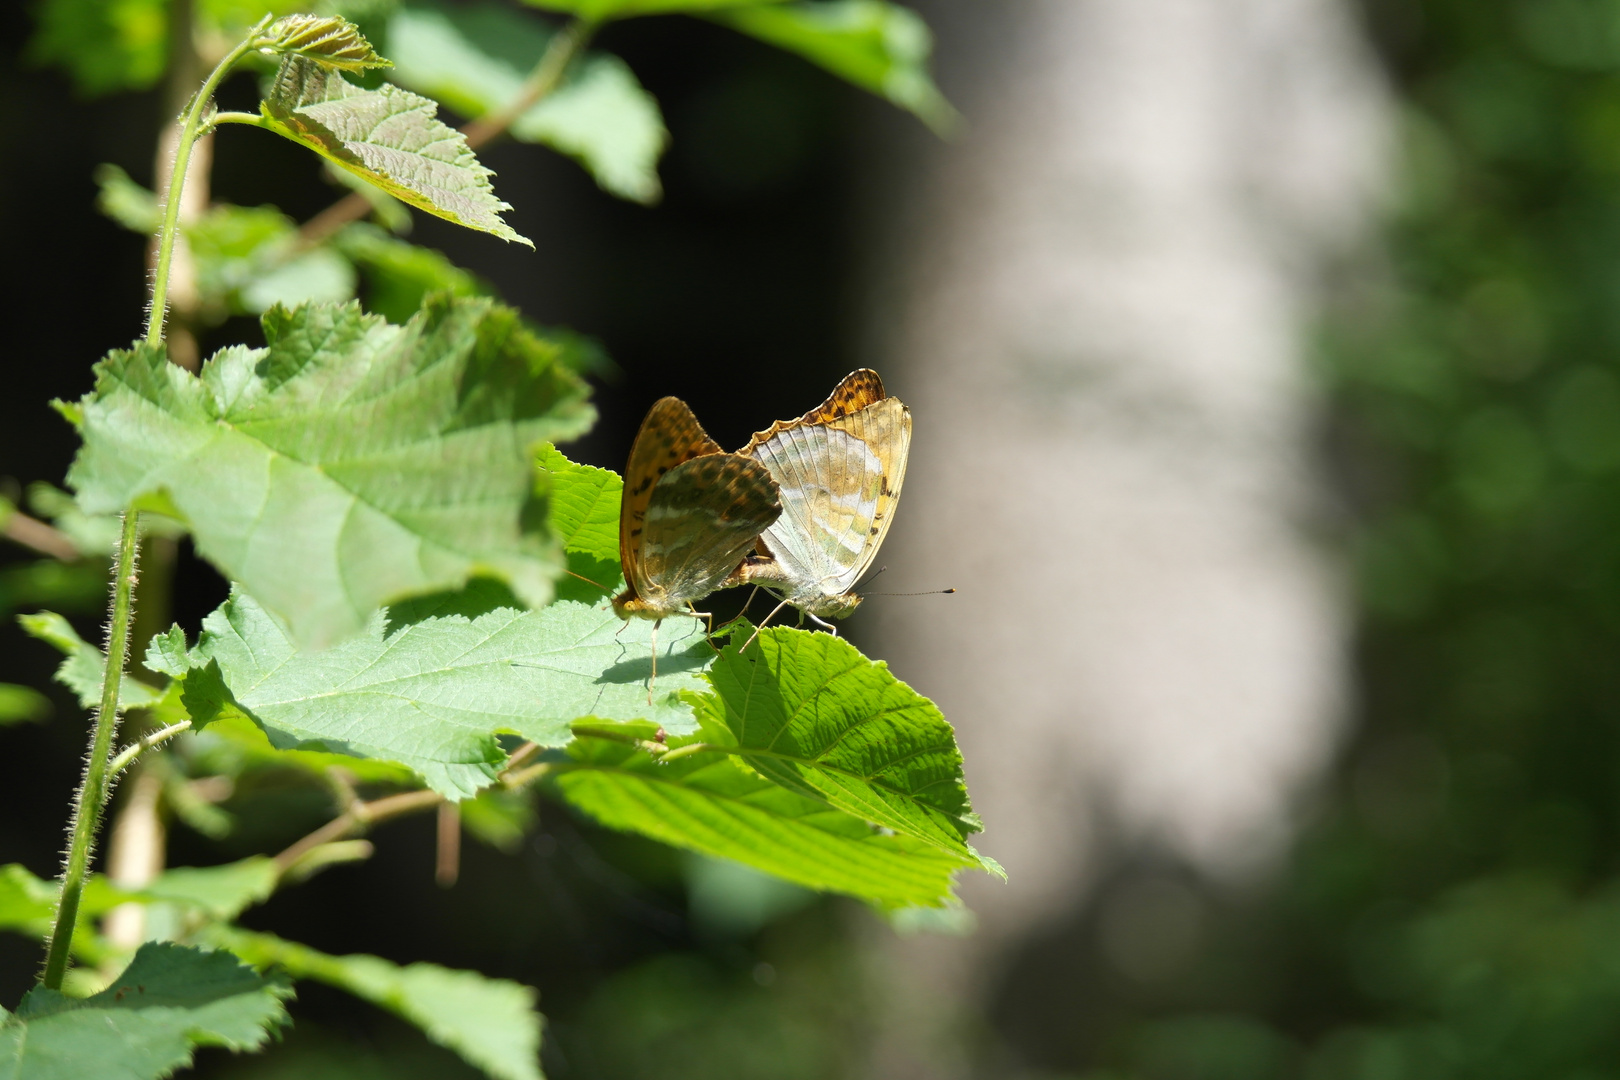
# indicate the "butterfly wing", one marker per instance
pixel 670 436
pixel 839 468
pixel 702 520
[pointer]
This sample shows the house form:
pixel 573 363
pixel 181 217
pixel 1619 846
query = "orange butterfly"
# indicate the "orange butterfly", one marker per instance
pixel 839 469
pixel 690 514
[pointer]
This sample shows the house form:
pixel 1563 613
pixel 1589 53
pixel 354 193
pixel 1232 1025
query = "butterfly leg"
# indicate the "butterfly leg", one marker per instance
pixel 763 624
pixel 654 680
pixel 823 623
pixel 696 614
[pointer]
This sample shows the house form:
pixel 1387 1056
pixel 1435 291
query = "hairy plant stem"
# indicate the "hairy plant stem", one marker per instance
pixel 546 76
pixel 92 794
pixel 189 131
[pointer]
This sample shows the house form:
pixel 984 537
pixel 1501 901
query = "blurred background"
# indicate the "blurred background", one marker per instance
pixel 1265 364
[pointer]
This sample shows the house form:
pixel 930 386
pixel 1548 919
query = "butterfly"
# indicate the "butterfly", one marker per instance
pixel 690 514
pixel 839 468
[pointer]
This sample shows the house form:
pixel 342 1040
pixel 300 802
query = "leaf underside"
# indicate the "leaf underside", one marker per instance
pixel 327 40
pixel 389 137
pixel 347 464
pixel 709 803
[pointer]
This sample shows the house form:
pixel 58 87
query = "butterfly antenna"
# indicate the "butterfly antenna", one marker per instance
pixel 763 624
pixel 925 592
pixel 739 614
pixel 588 581
pixel 868 579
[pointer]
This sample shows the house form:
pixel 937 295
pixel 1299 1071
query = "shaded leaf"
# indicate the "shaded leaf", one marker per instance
pixel 79 586
pixel 811 713
pixel 104 45
pixel 876 45
pixel 492 1023
pixel 389 137
pixel 401 275
pixel 584 508
pixel 222 892
pixel 170 1000
pixel 22 704
pixel 85 666
pixel 597 10
pixel 475 59
pixel 430 687
pixel 328 40
pixel 249 259
pixel 348 463
pixel 126 202
pixel 709 803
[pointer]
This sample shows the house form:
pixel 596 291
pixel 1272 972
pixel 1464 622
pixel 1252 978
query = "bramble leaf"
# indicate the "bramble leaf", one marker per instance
pixel 492 1023
pixel 126 202
pixel 585 518
pixel 85 665
pixel 876 45
pixel 475 60
pixel 431 685
pixel 104 45
pixel 709 803
pixel 811 713
pixel 170 1000
pixel 347 464
pixel 389 137
pixel 249 259
pixel 328 40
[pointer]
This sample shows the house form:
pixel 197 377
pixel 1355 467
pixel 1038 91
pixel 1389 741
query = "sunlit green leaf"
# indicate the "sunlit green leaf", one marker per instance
pixel 710 803
pixel 328 40
pixel 348 463
pixel 86 665
pixel 105 45
pixel 249 259
pixel 430 687
pixel 811 713
pixel 876 45
pixel 585 517
pixel 147 1023
pixel 389 137
pixel 476 58
pixel 492 1023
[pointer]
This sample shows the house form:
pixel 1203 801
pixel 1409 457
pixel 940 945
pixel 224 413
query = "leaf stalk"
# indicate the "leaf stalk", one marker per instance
pixel 91 798
pixel 190 130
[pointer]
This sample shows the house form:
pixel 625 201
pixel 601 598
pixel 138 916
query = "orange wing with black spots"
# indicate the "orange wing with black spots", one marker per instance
pixel 690 513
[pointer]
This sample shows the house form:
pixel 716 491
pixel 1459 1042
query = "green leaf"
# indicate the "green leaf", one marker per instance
pixel 402 275
pixel 500 817
pixel 711 804
pixel 874 44
pixel 430 686
pixel 389 137
pixel 79 586
pixel 170 1000
pixel 475 59
pixel 597 10
pixel 347 464
pixel 104 45
pixel 811 713
pixel 585 519
pixel 251 258
pixel 22 704
pixel 221 892
pixel 126 202
pixel 492 1023
pixel 329 41
pixel 86 665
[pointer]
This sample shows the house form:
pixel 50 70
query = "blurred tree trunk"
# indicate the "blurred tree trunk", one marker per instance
pixel 1098 305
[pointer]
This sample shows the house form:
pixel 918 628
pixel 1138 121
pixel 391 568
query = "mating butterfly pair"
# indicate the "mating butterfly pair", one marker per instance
pixel 801 510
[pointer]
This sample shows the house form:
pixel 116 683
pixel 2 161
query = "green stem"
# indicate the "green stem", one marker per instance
pixel 127 756
pixel 189 132
pixel 92 795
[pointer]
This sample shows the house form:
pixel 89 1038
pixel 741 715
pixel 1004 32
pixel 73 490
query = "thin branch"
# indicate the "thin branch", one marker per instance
pixel 33 533
pixel 136 749
pixel 546 76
